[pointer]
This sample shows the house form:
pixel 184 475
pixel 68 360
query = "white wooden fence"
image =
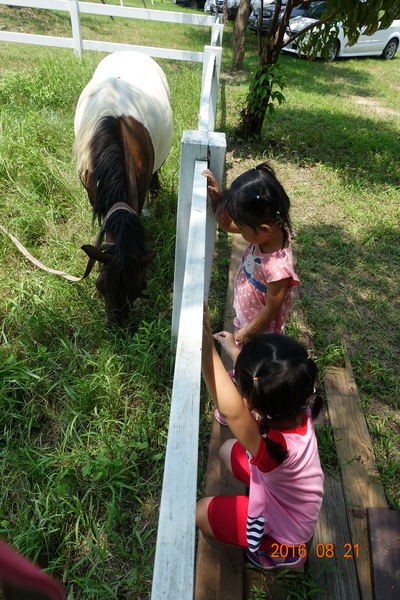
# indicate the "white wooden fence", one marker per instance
pixel 76 8
pixel 173 577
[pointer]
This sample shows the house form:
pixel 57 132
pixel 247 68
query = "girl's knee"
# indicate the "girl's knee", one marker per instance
pixel 225 452
pixel 201 506
pixel 202 521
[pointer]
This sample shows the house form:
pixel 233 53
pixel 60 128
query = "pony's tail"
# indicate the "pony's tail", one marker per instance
pixel 317 404
pixel 154 185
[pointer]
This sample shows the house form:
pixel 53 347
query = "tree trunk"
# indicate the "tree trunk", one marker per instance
pixel 225 11
pixel 253 114
pixel 239 35
pixel 250 124
pixel 258 102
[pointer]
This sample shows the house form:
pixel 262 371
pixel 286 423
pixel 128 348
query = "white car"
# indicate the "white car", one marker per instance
pixel 384 43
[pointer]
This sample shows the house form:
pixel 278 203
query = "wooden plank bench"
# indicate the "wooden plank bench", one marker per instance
pixel 219 568
pixel 331 566
pixel 339 557
pixel 362 487
pixel 384 543
pixel 342 531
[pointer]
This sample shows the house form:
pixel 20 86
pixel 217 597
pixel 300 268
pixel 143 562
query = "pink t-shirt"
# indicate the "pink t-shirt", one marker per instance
pixel 285 498
pixel 256 271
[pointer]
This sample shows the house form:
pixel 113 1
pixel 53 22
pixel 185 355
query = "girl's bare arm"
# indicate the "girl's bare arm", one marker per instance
pixel 274 298
pixel 223 220
pixel 225 394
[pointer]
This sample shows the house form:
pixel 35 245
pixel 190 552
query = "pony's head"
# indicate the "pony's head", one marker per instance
pixel 123 259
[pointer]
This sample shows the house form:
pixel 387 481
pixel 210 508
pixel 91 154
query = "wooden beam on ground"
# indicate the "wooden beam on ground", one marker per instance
pixel 384 539
pixel 220 568
pixel 361 484
pixel 331 557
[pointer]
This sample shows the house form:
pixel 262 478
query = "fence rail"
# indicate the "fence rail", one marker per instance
pixel 195 235
pixel 173 577
pixel 76 43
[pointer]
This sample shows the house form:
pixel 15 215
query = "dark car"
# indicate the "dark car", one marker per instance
pixel 195 4
pixel 217 6
pixel 268 12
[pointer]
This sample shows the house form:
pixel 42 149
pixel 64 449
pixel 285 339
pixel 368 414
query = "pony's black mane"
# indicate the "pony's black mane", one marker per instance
pixel 123 278
pixel 124 275
pixel 108 173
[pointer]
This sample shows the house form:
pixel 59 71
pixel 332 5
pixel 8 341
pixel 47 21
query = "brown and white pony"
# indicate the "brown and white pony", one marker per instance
pixel 123 133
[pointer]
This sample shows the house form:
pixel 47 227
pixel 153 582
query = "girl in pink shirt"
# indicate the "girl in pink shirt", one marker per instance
pixel 276 455
pixel 257 207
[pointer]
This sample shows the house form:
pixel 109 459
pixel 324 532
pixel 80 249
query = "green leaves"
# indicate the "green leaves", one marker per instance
pixel 354 16
pixel 262 93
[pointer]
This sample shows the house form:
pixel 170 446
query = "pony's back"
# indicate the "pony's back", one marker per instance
pixel 125 83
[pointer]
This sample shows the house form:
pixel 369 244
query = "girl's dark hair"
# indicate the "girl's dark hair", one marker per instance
pixel 275 374
pixel 255 198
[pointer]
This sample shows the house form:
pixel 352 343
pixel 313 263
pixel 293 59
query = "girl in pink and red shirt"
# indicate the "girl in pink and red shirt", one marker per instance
pixel 257 207
pixel 276 455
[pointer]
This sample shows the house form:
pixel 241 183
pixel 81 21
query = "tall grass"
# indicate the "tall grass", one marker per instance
pixel 84 410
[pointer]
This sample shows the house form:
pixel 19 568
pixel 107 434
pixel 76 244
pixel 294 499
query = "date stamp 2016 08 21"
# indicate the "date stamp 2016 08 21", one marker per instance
pixel 321 550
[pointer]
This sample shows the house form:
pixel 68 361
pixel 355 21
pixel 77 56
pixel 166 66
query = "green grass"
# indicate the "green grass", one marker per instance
pixel 84 409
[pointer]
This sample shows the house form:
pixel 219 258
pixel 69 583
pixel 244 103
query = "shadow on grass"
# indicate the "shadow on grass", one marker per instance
pixel 357 147
pixel 327 132
pixel 326 78
pixel 349 288
pixel 347 143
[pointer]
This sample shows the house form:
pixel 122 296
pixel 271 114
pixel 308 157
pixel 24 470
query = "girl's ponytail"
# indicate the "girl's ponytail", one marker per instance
pixel 274 448
pixel 284 226
pixel 317 404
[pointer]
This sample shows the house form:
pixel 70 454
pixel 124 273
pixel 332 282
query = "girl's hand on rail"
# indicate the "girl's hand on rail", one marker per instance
pixel 227 341
pixel 208 340
pixel 212 187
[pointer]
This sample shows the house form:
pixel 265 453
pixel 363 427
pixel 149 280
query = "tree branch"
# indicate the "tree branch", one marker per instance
pixel 303 31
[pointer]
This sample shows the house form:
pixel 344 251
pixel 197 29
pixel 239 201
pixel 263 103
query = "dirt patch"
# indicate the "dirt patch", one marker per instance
pixel 238 160
pixel 373 106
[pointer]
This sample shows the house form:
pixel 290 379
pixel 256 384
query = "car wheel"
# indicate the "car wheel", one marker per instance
pixel 332 50
pixel 194 4
pixel 390 49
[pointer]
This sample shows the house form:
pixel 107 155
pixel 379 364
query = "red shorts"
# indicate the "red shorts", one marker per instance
pixel 227 515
